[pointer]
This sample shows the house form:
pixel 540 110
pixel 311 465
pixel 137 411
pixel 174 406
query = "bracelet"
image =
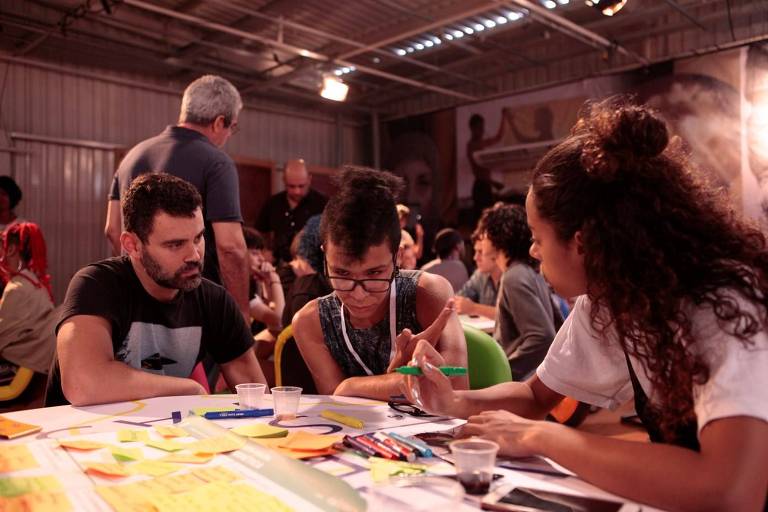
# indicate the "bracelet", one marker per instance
pixel 275 282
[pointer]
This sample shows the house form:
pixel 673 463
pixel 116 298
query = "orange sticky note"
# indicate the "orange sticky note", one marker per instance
pixel 83 445
pixel 10 429
pixel 15 458
pixel 106 469
pixel 306 441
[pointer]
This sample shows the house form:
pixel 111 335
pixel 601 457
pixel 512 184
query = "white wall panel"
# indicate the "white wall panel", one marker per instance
pixel 65 185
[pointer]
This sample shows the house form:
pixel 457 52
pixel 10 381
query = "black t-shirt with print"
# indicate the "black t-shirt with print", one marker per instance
pixel 165 338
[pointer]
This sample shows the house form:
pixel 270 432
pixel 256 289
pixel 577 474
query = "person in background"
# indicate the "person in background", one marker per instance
pixel 191 150
pixel 480 293
pixel 10 196
pixel 527 318
pixel 266 292
pixel 27 313
pixel 449 248
pixel 672 312
pixel 404 213
pixel 406 257
pixel 285 213
pixel 353 338
pixel 135 326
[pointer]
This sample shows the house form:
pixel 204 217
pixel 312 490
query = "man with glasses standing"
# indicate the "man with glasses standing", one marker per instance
pixel 353 338
pixel 191 150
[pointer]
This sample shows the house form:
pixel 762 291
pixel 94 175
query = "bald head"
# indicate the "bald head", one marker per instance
pixel 297 180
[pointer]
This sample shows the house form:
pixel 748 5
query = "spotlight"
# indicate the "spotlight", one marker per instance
pixel 334 89
pixel 607 7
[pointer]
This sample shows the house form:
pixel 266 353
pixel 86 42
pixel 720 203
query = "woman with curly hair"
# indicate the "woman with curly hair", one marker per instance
pixel 672 311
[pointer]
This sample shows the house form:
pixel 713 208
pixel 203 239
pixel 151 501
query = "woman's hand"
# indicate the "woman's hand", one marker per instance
pixel 432 391
pixel 405 343
pixel 515 435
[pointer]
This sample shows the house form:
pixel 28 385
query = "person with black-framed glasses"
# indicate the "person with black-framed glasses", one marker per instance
pixel 353 338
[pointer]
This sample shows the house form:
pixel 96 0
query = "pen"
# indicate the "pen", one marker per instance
pixel 405 452
pixel 243 413
pixel 380 451
pixel 448 371
pixel 418 445
pixel 353 443
pixel 384 447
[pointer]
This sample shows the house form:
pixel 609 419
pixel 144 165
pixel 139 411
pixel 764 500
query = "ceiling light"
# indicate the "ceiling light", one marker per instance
pixel 607 7
pixel 550 4
pixel 479 27
pixel 409 49
pixel 337 72
pixel 436 40
pixel 448 36
pixel 428 43
pixel 501 20
pixel 468 30
pixel 419 46
pixel 563 2
pixel 458 34
pixel 514 16
pixel 334 89
pixel 489 23
pixel 345 70
pixel 400 52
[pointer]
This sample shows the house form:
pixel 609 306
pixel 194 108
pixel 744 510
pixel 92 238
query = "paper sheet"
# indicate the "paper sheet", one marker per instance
pixel 15 458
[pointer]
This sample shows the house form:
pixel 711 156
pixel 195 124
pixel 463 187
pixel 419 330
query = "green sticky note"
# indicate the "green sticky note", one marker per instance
pixel 16 486
pixel 127 435
pixel 126 454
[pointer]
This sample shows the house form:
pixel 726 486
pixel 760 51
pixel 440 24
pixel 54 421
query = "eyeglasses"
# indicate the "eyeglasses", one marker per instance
pixel 409 409
pixel 347 284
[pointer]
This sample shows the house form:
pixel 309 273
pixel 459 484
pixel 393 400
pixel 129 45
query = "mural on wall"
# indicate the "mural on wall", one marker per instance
pixel 717 104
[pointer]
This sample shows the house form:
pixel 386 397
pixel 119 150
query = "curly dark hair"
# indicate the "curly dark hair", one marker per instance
pixel 154 192
pixel 253 239
pixel 506 226
pixel 657 239
pixel 363 212
pixel 12 189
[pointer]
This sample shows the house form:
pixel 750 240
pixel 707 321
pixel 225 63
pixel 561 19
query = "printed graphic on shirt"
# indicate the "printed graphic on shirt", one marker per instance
pixel 160 349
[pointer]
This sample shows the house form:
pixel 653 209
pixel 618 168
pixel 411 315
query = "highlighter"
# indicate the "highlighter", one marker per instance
pixel 448 371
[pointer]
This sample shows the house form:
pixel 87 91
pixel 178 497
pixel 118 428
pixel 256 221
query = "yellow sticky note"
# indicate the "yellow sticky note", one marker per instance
pixel 126 498
pixel 171 431
pixel 188 458
pixel 174 483
pixel 216 474
pixel 223 496
pixel 83 445
pixel 15 458
pixel 16 486
pixel 301 440
pixel 383 469
pixel 126 454
pixel 106 469
pixel 165 445
pixel 127 435
pixel 154 467
pixel 37 502
pixel 220 444
pixel 260 430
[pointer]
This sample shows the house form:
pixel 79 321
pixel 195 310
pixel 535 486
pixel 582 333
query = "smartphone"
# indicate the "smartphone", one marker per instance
pixel 524 499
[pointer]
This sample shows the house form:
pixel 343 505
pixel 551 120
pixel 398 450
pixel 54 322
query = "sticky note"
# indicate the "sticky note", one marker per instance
pixel 11 429
pixel 200 411
pixel 165 445
pixel 171 431
pixel 83 445
pixel 383 469
pixel 188 458
pixel 349 421
pixel 127 435
pixel 154 468
pixel 122 454
pixel 106 469
pixel 15 458
pixel 216 474
pixel 220 444
pixel 38 502
pixel 224 496
pixel 16 486
pixel 301 440
pixel 259 430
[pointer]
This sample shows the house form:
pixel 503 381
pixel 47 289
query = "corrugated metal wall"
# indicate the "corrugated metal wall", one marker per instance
pixel 65 182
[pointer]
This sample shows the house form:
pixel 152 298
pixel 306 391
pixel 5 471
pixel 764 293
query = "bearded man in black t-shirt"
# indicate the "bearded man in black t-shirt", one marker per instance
pixel 134 327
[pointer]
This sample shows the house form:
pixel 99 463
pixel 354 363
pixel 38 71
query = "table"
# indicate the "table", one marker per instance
pixel 478 322
pixel 332 482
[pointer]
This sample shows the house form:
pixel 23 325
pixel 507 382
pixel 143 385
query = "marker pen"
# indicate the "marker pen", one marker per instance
pixel 242 413
pixel 381 452
pixel 405 452
pixel 420 446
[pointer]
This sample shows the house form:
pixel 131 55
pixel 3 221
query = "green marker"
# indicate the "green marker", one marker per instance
pixel 449 371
